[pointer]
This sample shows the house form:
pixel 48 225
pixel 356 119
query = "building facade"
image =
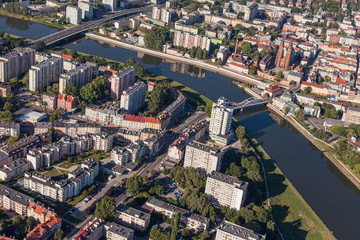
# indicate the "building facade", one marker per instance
pixel 45 73
pixel 221 117
pixel 228 230
pixel 122 81
pixel 73 14
pixel 132 217
pixel 133 98
pixel 13 200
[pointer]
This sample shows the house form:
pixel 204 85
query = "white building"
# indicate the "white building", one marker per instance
pixel 73 14
pixel 224 190
pixel 87 9
pixel 228 230
pixel 221 117
pixel 133 98
pixel 110 4
pixel 79 77
pixel 9 129
pixel 45 73
pixel 103 141
pixel 116 231
pixel 203 157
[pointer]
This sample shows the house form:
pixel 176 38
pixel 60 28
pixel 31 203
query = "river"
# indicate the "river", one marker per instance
pixel 321 184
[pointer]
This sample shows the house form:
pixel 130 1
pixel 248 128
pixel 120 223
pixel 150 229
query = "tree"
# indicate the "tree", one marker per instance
pixel 175 221
pixel 199 53
pixel 39 46
pixel 192 52
pixel 246 48
pixel 135 184
pixel 252 70
pixel 58 235
pixel 308 90
pixel 330 113
pixel 95 90
pixel 280 74
pixel 299 115
pixel 105 209
pixel 52 118
pixel 11 140
pixel 8 106
pixel 70 89
pixel 339 130
pixel 240 132
pixel 139 160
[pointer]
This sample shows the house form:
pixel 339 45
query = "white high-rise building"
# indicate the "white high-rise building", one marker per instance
pixel 73 14
pixel 87 9
pixel 45 73
pixel 110 4
pixel 79 77
pixel 133 98
pixel 15 63
pixel 221 117
pixel 122 81
pixel 203 157
pixel 224 190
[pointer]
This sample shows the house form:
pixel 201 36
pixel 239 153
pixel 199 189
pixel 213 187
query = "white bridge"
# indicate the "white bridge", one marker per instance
pixel 250 102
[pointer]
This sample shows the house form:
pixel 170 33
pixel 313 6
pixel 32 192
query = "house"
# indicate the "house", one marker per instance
pixel 272 91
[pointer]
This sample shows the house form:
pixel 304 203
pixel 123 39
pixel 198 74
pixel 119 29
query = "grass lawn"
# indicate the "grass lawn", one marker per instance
pixel 66 164
pixel 293 215
pixel 99 156
pixel 55 173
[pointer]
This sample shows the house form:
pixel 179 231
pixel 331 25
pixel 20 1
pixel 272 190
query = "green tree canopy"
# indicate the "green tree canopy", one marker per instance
pixel 105 209
pixel 135 184
pixel 95 90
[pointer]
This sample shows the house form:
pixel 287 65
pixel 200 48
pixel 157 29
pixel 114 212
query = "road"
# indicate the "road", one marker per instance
pixel 83 27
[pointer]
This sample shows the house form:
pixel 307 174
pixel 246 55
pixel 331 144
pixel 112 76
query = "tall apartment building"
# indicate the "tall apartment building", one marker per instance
pixel 13 200
pixel 132 217
pixel 133 98
pixel 221 117
pixel 162 14
pixel 103 141
pixel 110 4
pixel 122 81
pixel 203 157
pixel 187 40
pixel 79 77
pixel 116 231
pixel 14 169
pixel 73 14
pixel 16 62
pixel 250 12
pixel 87 9
pixel 228 230
pixel 45 73
pixel 9 129
pixel 224 190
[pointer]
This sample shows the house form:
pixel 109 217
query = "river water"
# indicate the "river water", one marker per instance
pixel 322 185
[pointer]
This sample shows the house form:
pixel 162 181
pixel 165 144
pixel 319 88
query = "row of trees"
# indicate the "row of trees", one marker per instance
pixel 10 42
pixel 157 37
pixel 18 9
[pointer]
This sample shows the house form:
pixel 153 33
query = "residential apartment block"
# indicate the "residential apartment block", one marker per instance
pixel 203 157
pixel 188 40
pixel 13 169
pixel 224 190
pixel 103 141
pixel 110 4
pixel 352 115
pixel 191 220
pixel 87 9
pixel 67 103
pixel 39 212
pixel 13 200
pixel 45 73
pixel 66 188
pixel 44 230
pixel 73 14
pixel 121 81
pixel 79 77
pixel 16 62
pixel 228 230
pixel 221 117
pixel 133 98
pixel 115 231
pixel 9 129
pixel 162 14
pixel 132 217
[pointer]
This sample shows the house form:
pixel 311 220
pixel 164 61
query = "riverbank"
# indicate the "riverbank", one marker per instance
pixel 33 20
pixel 343 168
pixel 195 62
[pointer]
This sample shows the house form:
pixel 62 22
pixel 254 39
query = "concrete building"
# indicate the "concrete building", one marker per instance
pixel 16 62
pixel 122 81
pixel 110 4
pixel 87 9
pixel 203 157
pixel 73 14
pixel 45 73
pixel 13 200
pixel 133 98
pixel 14 169
pixel 5 90
pixel 50 101
pixel 224 190
pixel 67 103
pixel 189 219
pixel 118 232
pixel 9 129
pixel 39 212
pixel 228 230
pixel 103 141
pixel 187 40
pixel 162 14
pixel 120 156
pixel 352 115
pixel 221 117
pixel 132 217
pixel 312 111
pixel 250 11
pixel 79 77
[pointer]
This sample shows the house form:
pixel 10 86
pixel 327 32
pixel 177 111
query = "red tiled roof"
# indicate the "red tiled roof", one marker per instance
pixel 134 118
pixel 152 120
pixel 314 85
pixel 239 65
pixel 341 81
pixel 70 99
pixel 67 57
pixel 60 96
pixel 273 89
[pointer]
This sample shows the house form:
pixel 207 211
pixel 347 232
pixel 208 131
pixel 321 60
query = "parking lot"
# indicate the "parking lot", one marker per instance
pixel 171 189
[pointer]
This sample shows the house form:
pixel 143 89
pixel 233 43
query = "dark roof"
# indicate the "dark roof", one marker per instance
pixel 15 195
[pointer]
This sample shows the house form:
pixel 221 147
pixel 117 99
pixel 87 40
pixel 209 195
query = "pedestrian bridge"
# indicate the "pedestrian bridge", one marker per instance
pixel 250 102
